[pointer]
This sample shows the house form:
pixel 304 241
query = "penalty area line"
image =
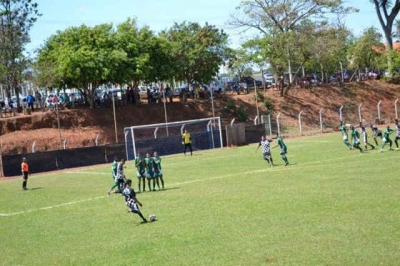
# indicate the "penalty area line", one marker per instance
pixel 51 207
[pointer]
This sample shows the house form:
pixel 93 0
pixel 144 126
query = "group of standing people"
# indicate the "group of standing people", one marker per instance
pixel 146 168
pixel 377 133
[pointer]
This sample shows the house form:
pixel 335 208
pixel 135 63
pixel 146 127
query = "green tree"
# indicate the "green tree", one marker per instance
pixel 240 63
pixel 148 56
pixel 197 52
pixel 387 12
pixel 82 57
pixel 365 53
pixel 16 19
pixel 280 22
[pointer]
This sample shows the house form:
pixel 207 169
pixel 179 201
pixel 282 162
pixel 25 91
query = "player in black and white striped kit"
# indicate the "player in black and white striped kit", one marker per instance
pixel 377 133
pixel 266 146
pixel 397 134
pixel 131 200
pixel 364 134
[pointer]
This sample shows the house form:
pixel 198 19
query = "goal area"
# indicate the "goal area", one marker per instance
pixel 166 138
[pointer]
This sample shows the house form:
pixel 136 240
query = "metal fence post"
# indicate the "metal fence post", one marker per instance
pixel 395 108
pixel 340 113
pixel 320 119
pixel 300 122
pixel 97 140
pixel 256 120
pixel 379 110
pixel 359 112
pixel 277 123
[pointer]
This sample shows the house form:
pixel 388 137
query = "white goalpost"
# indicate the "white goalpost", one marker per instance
pixel 166 138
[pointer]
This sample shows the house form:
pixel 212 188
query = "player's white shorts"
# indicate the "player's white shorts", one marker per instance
pixel 132 205
pixel 143 175
pixel 266 155
pixel 159 173
pixel 345 138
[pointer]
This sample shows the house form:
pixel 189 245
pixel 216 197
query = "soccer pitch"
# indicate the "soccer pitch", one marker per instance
pixel 330 206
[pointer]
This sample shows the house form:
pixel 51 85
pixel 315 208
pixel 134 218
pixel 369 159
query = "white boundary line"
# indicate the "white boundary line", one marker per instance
pixel 195 181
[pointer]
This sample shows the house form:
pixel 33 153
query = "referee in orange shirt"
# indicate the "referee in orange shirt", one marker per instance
pixel 25 172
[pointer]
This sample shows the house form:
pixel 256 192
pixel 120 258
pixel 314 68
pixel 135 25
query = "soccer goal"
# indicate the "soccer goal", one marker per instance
pixel 166 138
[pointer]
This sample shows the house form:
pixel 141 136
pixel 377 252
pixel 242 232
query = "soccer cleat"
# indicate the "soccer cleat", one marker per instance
pixel 390 149
pixel 381 150
pixel 286 164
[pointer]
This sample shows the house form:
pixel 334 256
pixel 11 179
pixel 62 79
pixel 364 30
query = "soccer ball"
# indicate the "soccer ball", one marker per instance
pixel 152 217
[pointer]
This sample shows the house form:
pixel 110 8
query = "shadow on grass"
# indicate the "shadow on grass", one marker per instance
pixel 36 188
pixel 162 190
pixel 143 223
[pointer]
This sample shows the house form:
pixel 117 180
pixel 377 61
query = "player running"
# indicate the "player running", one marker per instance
pixel 398 134
pixel 140 165
pixel 158 170
pixel 283 147
pixel 377 133
pixel 365 139
pixel 114 166
pixel 131 200
pixel 343 129
pixel 266 146
pixel 355 139
pixel 119 177
pixel 386 138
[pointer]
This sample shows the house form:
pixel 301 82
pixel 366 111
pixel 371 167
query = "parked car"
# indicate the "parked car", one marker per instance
pixel 179 91
pixel 250 82
pixel 142 92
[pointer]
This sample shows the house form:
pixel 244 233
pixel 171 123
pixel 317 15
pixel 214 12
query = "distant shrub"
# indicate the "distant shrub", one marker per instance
pixel 241 113
pixel 260 96
pixel 268 103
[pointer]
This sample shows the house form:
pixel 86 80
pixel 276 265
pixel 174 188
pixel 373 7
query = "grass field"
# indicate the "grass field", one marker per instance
pixel 330 206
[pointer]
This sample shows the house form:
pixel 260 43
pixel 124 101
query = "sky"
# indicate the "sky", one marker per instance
pixel 160 15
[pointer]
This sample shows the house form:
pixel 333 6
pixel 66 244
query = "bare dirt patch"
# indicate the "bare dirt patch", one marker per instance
pixel 81 126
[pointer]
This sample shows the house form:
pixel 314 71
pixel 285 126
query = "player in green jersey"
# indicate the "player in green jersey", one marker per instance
pixel 343 129
pixel 386 138
pixel 140 165
pixel 355 138
pixel 119 178
pixel 114 166
pixel 150 172
pixel 283 147
pixel 158 170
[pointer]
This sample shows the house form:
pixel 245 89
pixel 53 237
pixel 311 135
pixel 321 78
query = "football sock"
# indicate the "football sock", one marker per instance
pixel 149 184
pixel 141 216
pixel 162 181
pixel 397 144
pixel 144 185
pixel 158 184
pixel 113 186
pixel 24 184
pixel 272 162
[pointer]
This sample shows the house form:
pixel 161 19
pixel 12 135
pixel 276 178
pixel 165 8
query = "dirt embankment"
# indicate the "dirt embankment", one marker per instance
pixel 80 127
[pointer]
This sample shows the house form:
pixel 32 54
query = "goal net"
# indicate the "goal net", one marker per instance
pixel 166 138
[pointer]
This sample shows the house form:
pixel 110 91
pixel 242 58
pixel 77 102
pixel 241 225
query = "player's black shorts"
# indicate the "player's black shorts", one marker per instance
pixel 26 175
pixel 378 135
